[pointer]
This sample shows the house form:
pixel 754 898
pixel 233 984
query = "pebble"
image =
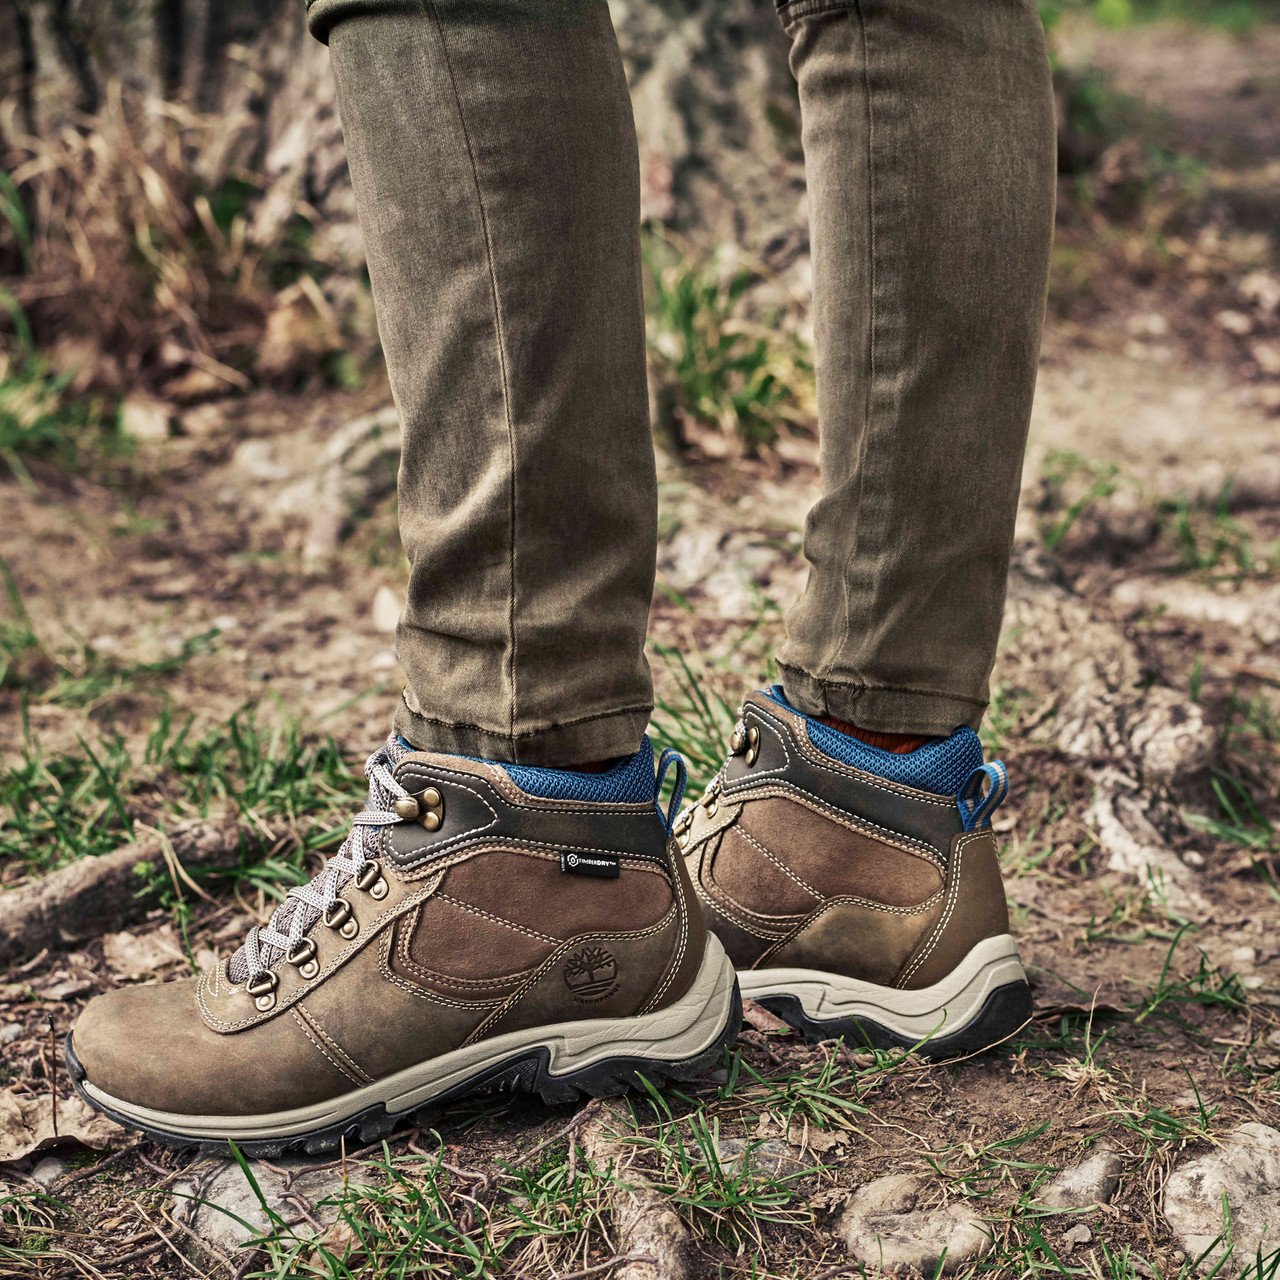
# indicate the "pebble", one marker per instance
pixel 1079 1234
pixel 883 1229
pixel 48 1171
pixel 772 1158
pixel 1092 1181
pixel 1245 1168
pixel 11 1032
pixel 385 611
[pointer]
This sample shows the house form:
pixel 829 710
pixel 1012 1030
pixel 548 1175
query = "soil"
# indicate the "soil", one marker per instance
pixel 199 541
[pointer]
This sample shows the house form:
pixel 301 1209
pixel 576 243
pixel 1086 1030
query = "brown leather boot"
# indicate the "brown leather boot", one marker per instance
pixel 484 927
pixel 858 892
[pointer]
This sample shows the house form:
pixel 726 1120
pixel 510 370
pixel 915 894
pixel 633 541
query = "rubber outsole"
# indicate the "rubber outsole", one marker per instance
pixel 1003 1013
pixel 523 1072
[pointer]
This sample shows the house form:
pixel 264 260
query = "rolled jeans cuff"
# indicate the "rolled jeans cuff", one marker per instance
pixel 322 14
pixel 603 737
pixel 883 709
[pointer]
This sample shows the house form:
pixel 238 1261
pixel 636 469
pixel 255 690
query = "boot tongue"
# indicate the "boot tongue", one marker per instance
pixel 365 840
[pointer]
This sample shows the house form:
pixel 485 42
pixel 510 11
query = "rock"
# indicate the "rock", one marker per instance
pixel 1262 289
pixel 218 1189
pixel 1079 1234
pixel 1091 1182
pixel 48 1171
pixel 317 479
pixel 772 1158
pixel 883 1228
pixel 10 1032
pixel 385 611
pixel 1234 322
pixel 68 990
pixel 144 417
pixel 1246 1170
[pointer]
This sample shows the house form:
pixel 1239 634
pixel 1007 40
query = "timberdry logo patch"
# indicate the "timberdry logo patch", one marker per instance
pixel 591 974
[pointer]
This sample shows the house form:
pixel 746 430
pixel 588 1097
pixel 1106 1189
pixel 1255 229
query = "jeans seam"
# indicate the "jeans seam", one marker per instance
pixel 499 332
pixel 645 710
pixel 868 412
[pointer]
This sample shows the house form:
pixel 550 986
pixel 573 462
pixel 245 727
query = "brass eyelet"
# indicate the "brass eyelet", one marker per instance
pixel 430 804
pixel 369 880
pixel 407 808
pixel 338 916
pixel 263 990
pixel 737 742
pixel 753 745
pixel 303 958
pixel 714 807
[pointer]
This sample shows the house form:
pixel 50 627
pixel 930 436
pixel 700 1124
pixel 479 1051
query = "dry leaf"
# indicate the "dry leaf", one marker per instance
pixel 134 955
pixel 814 1139
pixel 26 1125
pixel 760 1017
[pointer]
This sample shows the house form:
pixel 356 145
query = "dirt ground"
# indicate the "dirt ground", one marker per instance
pixel 1156 975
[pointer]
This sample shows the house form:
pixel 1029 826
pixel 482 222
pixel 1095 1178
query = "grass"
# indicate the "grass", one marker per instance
pixel 58 807
pixel 42 418
pixel 719 371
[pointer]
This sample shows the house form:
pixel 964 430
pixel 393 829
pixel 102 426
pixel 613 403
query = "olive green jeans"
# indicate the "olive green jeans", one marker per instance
pixel 493 156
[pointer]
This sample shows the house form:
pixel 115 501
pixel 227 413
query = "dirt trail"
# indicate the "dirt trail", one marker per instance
pixel 1140 669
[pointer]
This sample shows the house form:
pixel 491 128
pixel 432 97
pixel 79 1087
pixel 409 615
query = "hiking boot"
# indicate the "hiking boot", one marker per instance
pixel 857 891
pixel 483 927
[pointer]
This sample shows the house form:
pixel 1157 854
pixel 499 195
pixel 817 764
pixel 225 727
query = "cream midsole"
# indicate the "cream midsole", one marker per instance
pixel 683 1030
pixel 938 1010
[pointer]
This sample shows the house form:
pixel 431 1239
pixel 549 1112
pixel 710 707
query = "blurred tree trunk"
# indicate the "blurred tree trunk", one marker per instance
pixel 715 105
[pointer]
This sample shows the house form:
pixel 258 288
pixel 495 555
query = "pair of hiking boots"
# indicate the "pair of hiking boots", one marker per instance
pixel 490 926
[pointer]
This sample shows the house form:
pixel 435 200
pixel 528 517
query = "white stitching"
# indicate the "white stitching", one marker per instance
pixel 316 1026
pixel 952 898
pixel 488 915
pixel 337 1066
pixel 430 996
pixel 549 963
pixel 821 760
pixel 777 862
pixel 853 822
pixel 377 925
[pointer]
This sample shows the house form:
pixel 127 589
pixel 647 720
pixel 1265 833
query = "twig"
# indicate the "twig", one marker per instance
pixel 167 1174
pixel 53 1072
pixel 842 1270
pixel 102 1164
pixel 617 1260
pixel 203 1244
pixel 136 1254
pixel 577 1122
pixel 177 1253
pixel 296 1199
pixel 33 963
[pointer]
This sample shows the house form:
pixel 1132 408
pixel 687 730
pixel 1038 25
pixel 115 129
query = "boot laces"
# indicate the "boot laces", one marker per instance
pixel 292 920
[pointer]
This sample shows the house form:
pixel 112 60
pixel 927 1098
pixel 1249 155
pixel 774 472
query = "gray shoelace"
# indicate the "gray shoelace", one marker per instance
pixel 305 904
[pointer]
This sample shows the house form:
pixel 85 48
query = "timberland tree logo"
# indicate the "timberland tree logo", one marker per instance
pixel 591 974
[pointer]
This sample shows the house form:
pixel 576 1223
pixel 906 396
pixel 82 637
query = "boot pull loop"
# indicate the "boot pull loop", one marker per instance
pixel 665 761
pixel 975 808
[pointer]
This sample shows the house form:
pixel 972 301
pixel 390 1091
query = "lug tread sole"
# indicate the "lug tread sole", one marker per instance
pixel 524 1072
pixel 1004 1012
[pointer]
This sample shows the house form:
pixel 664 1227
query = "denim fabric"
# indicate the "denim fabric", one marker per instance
pixel 493 157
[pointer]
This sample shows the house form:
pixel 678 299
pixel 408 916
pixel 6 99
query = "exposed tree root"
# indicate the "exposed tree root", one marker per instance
pixel 647 1228
pixel 98 895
